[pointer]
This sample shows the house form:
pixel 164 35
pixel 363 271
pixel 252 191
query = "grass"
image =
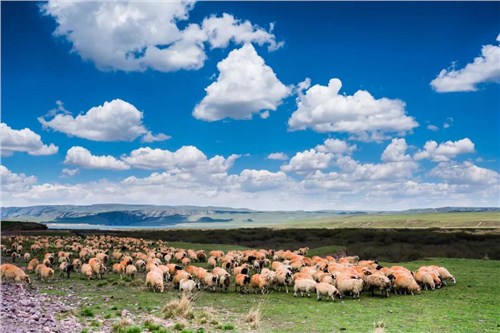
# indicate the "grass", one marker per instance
pixel 422 220
pixel 469 306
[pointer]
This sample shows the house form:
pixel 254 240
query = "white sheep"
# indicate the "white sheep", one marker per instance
pixel 326 289
pixel 304 285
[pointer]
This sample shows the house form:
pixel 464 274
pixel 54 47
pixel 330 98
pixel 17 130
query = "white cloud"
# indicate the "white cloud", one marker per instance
pixel 116 120
pixel 336 146
pixel 225 29
pixel 245 86
pixel 444 151
pixel 66 172
pixel 81 157
pixel 185 158
pixel 323 109
pixel 136 36
pixel 260 180
pixel 485 68
pixel 308 160
pixel 150 137
pixel 24 140
pixel 433 128
pixel 465 173
pixel 15 182
pixel 278 156
pixel 396 151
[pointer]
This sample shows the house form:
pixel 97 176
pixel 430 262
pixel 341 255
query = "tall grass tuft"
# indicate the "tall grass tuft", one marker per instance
pixel 254 316
pixel 182 308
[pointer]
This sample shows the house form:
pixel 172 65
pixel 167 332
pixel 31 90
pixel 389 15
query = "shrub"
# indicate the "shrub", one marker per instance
pixel 87 312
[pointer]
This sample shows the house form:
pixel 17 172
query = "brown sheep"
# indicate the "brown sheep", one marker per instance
pixel 131 271
pixel 12 272
pixel 32 264
pixel 241 280
pixel 154 280
pixel 45 273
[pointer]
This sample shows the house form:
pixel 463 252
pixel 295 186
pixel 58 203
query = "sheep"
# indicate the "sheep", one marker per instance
pixel 66 268
pixel 103 257
pixel 444 274
pixel 425 279
pixel 283 278
pixel 304 285
pixel 186 262
pixel 140 265
pixel 405 282
pixel 77 263
pixel 201 256
pixel 14 256
pixel 212 262
pixel 45 273
pixel 172 268
pixel 211 281
pixel 259 281
pixel 27 257
pixel 348 284
pixel 32 264
pixel 154 280
pixel 326 289
pixel 377 281
pixel 12 272
pixel 117 269
pixel 216 253
pixel 131 270
pixel 188 286
pixel 224 281
pixel 87 271
pixel 165 271
pixel 180 275
pixel 241 280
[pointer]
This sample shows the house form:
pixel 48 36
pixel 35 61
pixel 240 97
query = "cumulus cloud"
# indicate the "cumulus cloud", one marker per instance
pixel 15 182
pixel 136 36
pixel 185 158
pixel 445 150
pixel 396 151
pixel 245 86
pixel 82 157
pixel 485 68
pixel 116 120
pixel 366 118
pixel 308 160
pixel 465 173
pixel 24 140
pixel 259 180
pixel 319 157
pixel 336 146
pixel 278 156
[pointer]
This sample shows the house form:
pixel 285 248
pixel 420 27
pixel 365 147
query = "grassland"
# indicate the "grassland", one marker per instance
pixel 422 220
pixel 469 306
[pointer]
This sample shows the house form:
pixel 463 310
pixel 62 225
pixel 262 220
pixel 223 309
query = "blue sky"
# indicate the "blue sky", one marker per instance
pixel 283 105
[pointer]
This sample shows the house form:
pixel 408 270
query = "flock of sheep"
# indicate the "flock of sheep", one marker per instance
pixel 249 270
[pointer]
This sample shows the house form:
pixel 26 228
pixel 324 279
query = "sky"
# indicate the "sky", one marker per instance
pixel 269 106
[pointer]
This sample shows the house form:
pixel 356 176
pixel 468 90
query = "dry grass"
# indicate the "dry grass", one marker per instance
pixel 182 308
pixel 379 327
pixel 254 316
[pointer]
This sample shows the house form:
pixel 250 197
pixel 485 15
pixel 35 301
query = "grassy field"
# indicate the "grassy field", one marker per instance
pixel 423 220
pixel 469 306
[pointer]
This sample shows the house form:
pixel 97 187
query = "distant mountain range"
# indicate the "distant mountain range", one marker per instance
pixel 159 216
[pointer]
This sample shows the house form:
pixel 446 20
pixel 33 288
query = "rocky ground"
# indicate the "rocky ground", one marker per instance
pixel 24 309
